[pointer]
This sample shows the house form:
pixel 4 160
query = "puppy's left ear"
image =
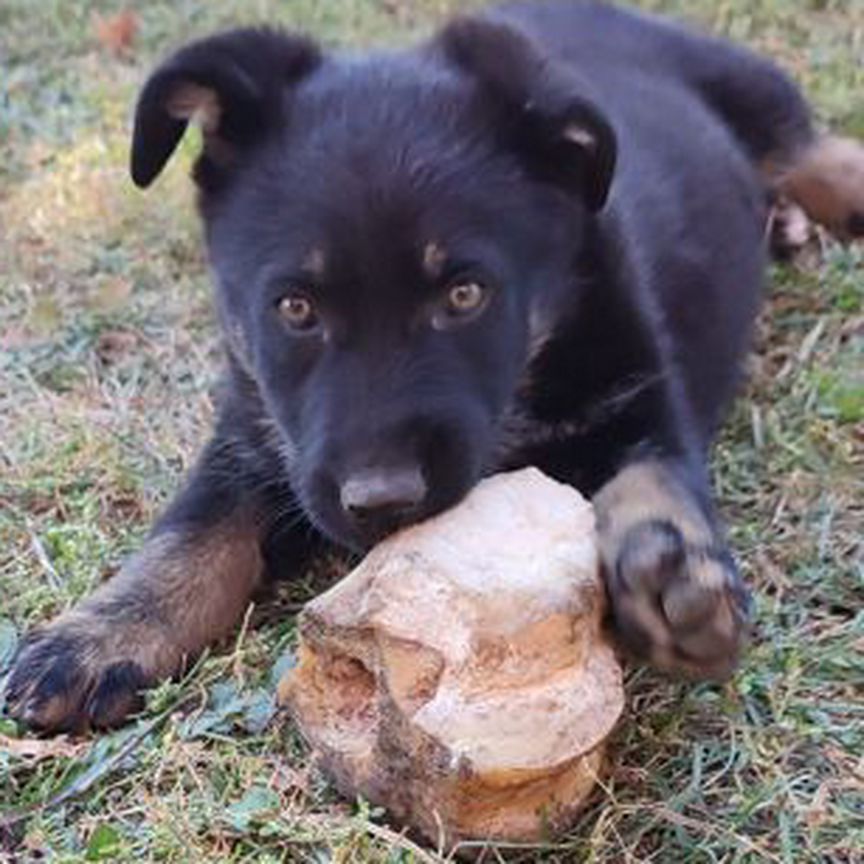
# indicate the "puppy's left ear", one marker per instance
pixel 233 84
pixel 538 104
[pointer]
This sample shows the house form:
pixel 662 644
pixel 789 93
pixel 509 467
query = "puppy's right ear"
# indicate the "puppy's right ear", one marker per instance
pixel 541 108
pixel 232 84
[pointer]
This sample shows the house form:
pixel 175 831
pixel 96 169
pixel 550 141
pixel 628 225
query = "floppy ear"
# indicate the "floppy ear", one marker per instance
pixel 539 104
pixel 231 84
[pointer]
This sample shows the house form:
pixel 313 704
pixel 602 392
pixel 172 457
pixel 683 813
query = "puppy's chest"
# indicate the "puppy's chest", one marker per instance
pixel 569 436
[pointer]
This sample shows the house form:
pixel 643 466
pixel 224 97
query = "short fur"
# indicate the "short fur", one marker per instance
pixel 603 176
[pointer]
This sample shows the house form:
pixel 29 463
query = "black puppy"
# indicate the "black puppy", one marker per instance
pixel 536 239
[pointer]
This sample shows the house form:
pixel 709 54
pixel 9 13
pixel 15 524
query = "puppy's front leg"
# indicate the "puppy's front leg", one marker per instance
pixel 188 586
pixel 677 598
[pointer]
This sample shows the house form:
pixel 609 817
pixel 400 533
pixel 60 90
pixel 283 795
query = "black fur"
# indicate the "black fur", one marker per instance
pixel 645 306
pixel 595 170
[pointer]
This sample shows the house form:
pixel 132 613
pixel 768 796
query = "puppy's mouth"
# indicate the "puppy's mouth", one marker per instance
pixel 323 510
pixel 388 495
pixel 356 540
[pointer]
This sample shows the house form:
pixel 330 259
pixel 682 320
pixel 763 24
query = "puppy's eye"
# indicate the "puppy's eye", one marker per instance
pixel 297 312
pixel 465 298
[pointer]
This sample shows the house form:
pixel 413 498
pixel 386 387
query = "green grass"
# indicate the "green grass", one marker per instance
pixel 107 356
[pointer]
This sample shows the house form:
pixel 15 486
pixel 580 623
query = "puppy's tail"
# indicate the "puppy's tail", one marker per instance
pixel 822 174
pixel 826 179
pixel 765 109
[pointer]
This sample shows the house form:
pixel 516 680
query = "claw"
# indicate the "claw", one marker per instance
pixel 65 679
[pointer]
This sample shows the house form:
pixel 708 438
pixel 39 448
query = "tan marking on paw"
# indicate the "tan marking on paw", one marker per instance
pixel 673 592
pixel 644 492
pixel 198 586
pixel 180 593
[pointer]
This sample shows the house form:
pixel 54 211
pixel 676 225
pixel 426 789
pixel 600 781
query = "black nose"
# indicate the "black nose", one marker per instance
pixel 381 499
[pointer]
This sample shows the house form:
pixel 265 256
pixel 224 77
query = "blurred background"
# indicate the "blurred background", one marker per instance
pixel 107 360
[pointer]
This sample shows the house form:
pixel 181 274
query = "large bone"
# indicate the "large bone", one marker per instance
pixel 458 676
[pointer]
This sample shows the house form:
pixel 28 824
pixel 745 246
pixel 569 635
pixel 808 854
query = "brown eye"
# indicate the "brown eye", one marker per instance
pixel 465 298
pixel 298 312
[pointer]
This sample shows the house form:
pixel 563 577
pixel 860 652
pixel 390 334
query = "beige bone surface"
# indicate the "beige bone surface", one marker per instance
pixel 458 675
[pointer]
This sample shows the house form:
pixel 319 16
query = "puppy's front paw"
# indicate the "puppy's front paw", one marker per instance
pixel 75 674
pixel 677 604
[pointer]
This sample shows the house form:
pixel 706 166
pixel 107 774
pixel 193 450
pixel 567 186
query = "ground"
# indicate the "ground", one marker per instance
pixel 107 360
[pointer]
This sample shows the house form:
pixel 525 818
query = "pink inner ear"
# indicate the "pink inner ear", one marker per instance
pixel 581 136
pixel 193 102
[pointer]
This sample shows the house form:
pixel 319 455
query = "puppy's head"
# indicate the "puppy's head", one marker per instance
pixel 383 233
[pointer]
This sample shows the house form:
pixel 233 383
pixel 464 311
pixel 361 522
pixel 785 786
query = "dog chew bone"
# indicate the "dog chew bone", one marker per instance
pixel 458 676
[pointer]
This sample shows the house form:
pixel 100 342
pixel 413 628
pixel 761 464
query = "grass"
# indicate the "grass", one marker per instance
pixel 107 356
